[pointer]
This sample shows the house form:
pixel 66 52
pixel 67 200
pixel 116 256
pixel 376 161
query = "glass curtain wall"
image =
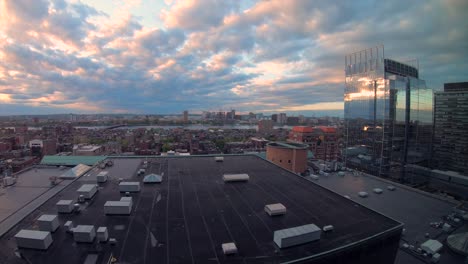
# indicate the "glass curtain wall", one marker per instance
pixel 388 115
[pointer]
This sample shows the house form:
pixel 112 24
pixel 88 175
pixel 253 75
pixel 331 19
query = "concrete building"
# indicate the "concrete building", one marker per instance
pixel 282 118
pixel 265 126
pixel 185 118
pixel 450 146
pixel 324 142
pixel 291 156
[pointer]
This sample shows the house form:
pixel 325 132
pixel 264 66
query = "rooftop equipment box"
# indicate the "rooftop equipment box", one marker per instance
pixel 219 159
pixel 296 235
pixel 48 222
pixel 431 246
pixel 235 177
pixel 33 239
pixel 102 234
pixel 87 190
pixel 84 233
pixel 65 206
pixel 127 199
pixel 129 186
pixel 102 176
pixel 275 209
pixel 118 207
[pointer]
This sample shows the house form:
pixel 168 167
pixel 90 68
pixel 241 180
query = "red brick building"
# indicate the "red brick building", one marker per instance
pixel 323 141
pixel 291 156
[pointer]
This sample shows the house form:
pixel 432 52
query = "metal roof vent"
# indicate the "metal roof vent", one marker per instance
pixel 235 177
pixel 219 159
pixel 296 235
pixel 275 209
pixel 229 248
pixel 363 194
pixel 378 190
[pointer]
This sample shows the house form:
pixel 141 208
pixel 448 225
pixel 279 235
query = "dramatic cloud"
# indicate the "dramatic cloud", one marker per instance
pixel 265 56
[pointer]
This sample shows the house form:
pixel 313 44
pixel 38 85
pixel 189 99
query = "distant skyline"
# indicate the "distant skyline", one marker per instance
pixel 163 57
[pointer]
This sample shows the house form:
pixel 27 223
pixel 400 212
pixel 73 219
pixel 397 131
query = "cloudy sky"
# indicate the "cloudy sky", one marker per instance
pixel 141 56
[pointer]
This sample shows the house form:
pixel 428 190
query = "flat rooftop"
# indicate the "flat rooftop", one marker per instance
pixel 414 208
pixel 32 188
pixel 188 216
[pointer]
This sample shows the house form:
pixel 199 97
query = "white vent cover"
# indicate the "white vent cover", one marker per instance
pixel 275 209
pixel 363 194
pixel 219 159
pixel 391 188
pixel 229 248
pixel 378 190
pixel 296 235
pixel 235 177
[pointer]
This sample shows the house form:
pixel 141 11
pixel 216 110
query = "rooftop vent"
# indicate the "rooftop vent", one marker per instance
pixel 378 190
pixel 275 209
pixel 363 194
pixel 314 177
pixel 229 248
pixel 219 159
pixel 296 235
pixel 327 228
pixel 235 177
pixel 391 188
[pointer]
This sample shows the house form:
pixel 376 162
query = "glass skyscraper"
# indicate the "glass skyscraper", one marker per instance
pixel 388 114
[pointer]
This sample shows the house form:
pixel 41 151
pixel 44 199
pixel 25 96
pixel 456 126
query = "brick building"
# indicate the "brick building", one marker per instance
pixel 323 141
pixel 291 156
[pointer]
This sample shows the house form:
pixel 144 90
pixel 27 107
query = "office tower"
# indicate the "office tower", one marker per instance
pixel 450 148
pixel 185 116
pixel 282 118
pixel 274 117
pixel 388 114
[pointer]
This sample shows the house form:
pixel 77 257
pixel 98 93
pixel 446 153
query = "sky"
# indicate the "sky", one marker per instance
pixel 162 57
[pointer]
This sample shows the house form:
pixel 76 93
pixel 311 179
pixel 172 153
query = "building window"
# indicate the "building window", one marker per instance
pixel 280 161
pixel 289 161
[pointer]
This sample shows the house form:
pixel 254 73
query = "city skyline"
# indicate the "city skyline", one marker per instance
pixel 165 57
